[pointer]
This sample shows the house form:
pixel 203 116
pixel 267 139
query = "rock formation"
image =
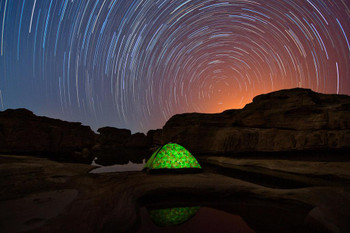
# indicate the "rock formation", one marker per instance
pixel 120 146
pixel 294 120
pixel 39 195
pixel 22 132
pixel 287 120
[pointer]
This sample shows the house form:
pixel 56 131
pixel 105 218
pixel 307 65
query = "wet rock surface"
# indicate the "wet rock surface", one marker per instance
pixel 111 202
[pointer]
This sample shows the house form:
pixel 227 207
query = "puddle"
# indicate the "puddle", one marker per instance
pixel 117 167
pixel 191 219
pixel 177 213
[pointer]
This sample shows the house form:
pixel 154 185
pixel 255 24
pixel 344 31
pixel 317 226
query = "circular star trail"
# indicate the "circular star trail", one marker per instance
pixel 135 63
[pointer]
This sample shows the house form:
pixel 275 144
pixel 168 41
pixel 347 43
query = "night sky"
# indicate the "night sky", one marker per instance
pixel 135 63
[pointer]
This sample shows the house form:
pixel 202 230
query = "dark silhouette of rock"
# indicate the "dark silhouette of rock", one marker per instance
pixel 119 146
pixel 155 137
pixel 294 120
pixel 287 120
pixel 138 140
pixel 113 135
pixel 22 132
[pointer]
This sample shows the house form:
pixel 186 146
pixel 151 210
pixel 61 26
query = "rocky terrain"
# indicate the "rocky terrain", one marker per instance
pixel 39 195
pixel 120 146
pixel 22 132
pixel 295 123
pixel 282 121
pixel 281 163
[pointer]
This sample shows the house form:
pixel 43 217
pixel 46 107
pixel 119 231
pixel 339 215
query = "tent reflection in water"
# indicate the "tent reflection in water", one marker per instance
pixel 172 158
pixel 172 216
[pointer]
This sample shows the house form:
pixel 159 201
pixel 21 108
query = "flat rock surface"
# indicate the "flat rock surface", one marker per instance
pixel 74 200
pixel 34 210
pixel 338 169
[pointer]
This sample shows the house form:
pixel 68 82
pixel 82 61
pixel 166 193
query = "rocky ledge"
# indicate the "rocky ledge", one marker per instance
pixel 296 124
pixel 22 132
pixel 283 121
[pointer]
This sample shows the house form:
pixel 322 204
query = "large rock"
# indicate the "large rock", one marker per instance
pixel 119 146
pixel 155 137
pixel 138 140
pixel 22 132
pixel 113 135
pixel 287 120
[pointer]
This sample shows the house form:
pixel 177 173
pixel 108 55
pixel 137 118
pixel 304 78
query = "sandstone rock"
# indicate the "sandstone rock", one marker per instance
pixel 119 146
pixel 155 136
pixel 138 140
pixel 297 109
pixel 283 121
pixel 38 195
pixel 107 155
pixel 22 132
pixel 287 120
pixel 113 135
pixel 331 216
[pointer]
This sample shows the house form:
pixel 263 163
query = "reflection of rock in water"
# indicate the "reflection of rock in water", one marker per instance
pixel 172 216
pixel 191 220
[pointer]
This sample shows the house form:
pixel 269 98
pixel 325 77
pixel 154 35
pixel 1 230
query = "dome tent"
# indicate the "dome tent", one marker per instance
pixel 172 157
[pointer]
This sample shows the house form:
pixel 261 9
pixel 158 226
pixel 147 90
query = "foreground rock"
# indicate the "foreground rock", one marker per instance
pixel 338 170
pixel 22 132
pixel 38 195
pixel 286 120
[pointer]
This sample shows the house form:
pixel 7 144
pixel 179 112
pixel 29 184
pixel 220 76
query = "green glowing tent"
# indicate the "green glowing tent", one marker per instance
pixel 172 216
pixel 172 158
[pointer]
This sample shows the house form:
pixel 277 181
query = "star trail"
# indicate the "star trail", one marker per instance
pixel 135 63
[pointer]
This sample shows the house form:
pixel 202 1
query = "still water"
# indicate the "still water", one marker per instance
pixel 191 219
pixel 129 167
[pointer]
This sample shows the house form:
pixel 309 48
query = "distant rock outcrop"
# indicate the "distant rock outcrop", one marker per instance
pixel 293 120
pixel 287 120
pixel 119 146
pixel 22 132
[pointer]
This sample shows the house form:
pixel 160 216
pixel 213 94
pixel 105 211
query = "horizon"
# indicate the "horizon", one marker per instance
pixel 134 64
pixel 145 132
